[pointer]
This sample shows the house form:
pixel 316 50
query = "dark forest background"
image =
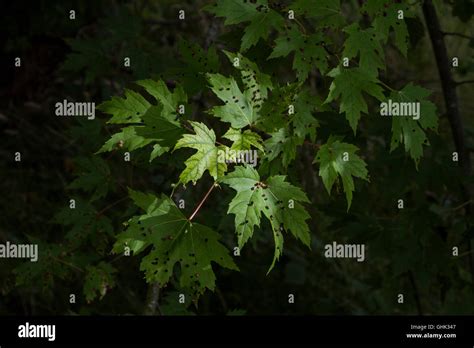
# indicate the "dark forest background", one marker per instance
pixel 409 251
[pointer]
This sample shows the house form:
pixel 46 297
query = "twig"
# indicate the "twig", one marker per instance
pixel 110 206
pixel 307 142
pixel 67 263
pixel 458 34
pixel 463 82
pixel 222 299
pixel 462 205
pixel 202 201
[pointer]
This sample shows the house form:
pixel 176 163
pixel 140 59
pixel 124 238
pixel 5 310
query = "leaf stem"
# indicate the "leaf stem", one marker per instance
pixel 202 201
pixel 457 34
pixel 67 263
pixel 301 26
pixel 387 86
pixel 110 206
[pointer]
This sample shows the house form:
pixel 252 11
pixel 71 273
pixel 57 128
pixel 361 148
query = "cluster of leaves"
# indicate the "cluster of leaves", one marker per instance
pixel 271 118
pixel 313 117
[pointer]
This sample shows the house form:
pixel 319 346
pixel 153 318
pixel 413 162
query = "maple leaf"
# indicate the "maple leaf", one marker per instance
pixel 176 240
pixel 257 84
pixel 83 57
pixel 83 223
pixel 169 100
pixel 308 51
pixel 304 123
pixel 126 138
pixel 262 19
pixel 239 109
pixel 386 17
pixel 160 123
pixel 93 175
pixel 243 140
pixel 157 129
pixel 275 109
pixel 40 273
pixel 366 44
pixel 282 144
pixel 206 157
pixel 98 279
pixel 411 132
pixel 277 199
pixel 134 236
pixel 348 85
pixel 338 158
pixel 125 110
pixel 326 12
pixel 196 63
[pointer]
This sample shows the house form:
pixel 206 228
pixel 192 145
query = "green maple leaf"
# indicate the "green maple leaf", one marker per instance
pixel 338 158
pixel 125 110
pixel 126 138
pixel 304 123
pixel 366 44
pixel 169 305
pixel 157 151
pixel 196 62
pixel 131 108
pixel 256 83
pixel 83 57
pixel 169 100
pixel 348 85
pixel 308 52
pixel 411 132
pixel 262 19
pixel 157 129
pixel 282 144
pixel 149 203
pixel 240 109
pixel 176 240
pixel 243 140
pixel 275 109
pixel 83 223
pixel 160 125
pixel 134 237
pixel 206 157
pixel 98 280
pixel 44 272
pixel 93 175
pixel 386 17
pixel 326 12
pixel 277 199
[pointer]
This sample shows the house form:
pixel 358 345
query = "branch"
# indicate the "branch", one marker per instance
pixel 307 142
pixel 448 84
pixel 415 292
pixel 202 201
pixel 153 296
pixel 110 206
pixel 457 34
pixel 451 101
pixel 222 300
pixel 463 82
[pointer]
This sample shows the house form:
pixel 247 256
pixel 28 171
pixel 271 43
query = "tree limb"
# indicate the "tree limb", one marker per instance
pixel 463 82
pixel 152 299
pixel 457 34
pixel 451 100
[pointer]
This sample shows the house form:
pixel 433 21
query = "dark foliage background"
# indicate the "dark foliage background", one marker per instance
pixel 409 250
